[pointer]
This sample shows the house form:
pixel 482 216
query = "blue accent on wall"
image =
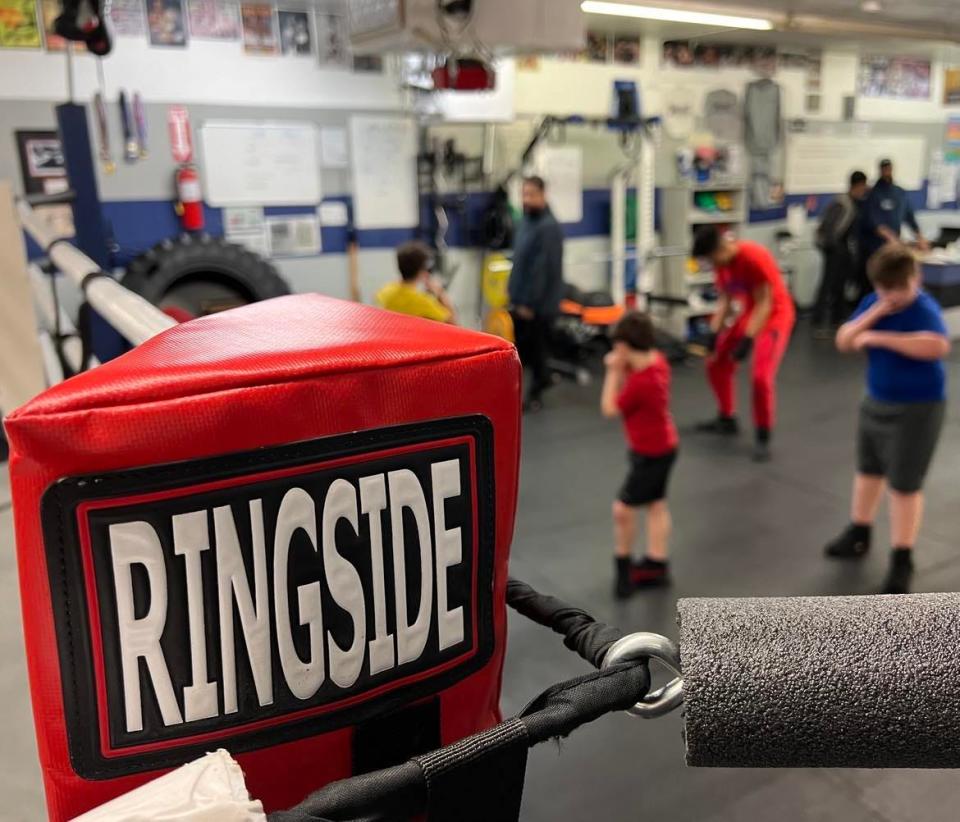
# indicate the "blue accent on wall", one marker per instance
pixel 136 225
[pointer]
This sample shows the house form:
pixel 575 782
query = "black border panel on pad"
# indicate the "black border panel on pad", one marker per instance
pixel 80 513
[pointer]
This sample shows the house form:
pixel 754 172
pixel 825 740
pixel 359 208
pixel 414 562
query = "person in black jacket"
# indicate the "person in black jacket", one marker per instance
pixel 884 212
pixel 837 238
pixel 536 285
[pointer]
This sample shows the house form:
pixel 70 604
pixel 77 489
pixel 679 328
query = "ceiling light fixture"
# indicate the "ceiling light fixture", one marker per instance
pixel 676 15
pixel 871 6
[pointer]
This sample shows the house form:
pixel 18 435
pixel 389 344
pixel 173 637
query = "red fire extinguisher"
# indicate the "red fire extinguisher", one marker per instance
pixel 189 197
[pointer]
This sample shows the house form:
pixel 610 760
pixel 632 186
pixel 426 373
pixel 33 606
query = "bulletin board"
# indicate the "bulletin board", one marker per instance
pixel 384 152
pixel 260 163
pixel 822 164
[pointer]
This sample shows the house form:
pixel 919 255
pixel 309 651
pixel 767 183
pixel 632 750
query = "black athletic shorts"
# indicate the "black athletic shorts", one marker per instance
pixel 897 440
pixel 647 479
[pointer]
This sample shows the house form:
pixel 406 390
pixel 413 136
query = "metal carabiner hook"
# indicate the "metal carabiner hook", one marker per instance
pixel 643 645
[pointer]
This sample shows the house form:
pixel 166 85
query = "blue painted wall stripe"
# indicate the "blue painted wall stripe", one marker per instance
pixel 136 225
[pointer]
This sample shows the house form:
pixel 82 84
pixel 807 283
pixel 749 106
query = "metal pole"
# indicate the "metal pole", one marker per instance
pixel 130 314
pixel 68 51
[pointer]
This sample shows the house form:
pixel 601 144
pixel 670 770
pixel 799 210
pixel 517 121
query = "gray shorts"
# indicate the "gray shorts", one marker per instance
pixel 897 441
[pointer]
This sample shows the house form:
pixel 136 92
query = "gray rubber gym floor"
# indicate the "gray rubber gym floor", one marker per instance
pixel 740 530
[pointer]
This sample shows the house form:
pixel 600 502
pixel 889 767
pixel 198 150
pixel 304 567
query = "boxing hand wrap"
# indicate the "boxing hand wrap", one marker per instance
pixel 282 530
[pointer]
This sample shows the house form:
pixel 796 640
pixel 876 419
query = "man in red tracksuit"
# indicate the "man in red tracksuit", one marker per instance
pixel 748 278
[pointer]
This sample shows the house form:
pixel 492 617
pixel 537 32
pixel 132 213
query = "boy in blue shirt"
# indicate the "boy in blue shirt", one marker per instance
pixel 901 328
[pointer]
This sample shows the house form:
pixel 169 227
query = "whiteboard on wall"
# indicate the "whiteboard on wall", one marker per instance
pixel 384 152
pixel 562 170
pixel 260 163
pixel 822 164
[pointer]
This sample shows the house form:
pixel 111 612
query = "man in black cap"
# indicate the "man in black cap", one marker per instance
pixel 886 210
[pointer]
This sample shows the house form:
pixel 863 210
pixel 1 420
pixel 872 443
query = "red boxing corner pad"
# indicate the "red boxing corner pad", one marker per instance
pixel 282 530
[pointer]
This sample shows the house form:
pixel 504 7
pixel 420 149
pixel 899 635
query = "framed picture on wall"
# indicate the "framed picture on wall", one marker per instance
pixel 897 78
pixel 368 63
pixel 49 11
pixel 19 28
pixel 295 35
pixel 951 87
pixel 42 166
pixel 333 48
pixel 213 19
pixel 598 46
pixel 626 49
pixel 165 21
pixel 127 18
pixel 259 28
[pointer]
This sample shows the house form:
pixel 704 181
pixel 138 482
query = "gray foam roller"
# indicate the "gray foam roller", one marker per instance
pixel 867 682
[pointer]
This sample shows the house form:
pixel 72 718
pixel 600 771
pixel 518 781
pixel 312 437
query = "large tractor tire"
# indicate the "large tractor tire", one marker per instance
pixel 193 276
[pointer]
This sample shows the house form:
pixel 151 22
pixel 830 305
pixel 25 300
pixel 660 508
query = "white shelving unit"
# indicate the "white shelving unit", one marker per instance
pixel 680 215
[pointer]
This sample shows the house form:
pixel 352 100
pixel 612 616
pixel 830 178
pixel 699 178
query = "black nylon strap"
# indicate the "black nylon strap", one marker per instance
pixel 93 275
pixel 389 740
pixel 54 243
pixel 580 631
pixel 480 778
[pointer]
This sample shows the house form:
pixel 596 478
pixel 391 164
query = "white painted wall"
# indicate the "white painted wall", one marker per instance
pixel 567 87
pixel 203 72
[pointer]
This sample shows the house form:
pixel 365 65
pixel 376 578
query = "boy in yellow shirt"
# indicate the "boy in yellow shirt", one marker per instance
pixel 417 292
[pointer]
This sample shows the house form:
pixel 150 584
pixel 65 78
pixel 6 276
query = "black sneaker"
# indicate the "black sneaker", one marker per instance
pixel 649 573
pixel 761 452
pixel 900 573
pixel 853 543
pixel 622 586
pixel 724 426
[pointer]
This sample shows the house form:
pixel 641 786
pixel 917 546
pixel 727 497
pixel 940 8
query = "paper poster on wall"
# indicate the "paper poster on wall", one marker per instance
pixel 384 151
pixel 599 45
pixel 952 141
pixel 297 236
pixel 295 33
pixel 626 49
pixel 896 78
pixel 333 214
pixel 259 28
pixel 562 169
pixel 693 54
pixel 127 18
pixel 247 227
pixel 951 86
pixel 213 19
pixel 333 147
pixel 333 48
pixel 19 28
pixel 165 23
pixel 368 64
pixel 50 10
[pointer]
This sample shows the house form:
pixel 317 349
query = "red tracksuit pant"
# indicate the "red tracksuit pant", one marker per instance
pixel 768 350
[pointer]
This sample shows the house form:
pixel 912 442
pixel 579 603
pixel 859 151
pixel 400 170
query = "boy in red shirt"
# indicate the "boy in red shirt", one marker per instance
pixel 748 278
pixel 637 387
